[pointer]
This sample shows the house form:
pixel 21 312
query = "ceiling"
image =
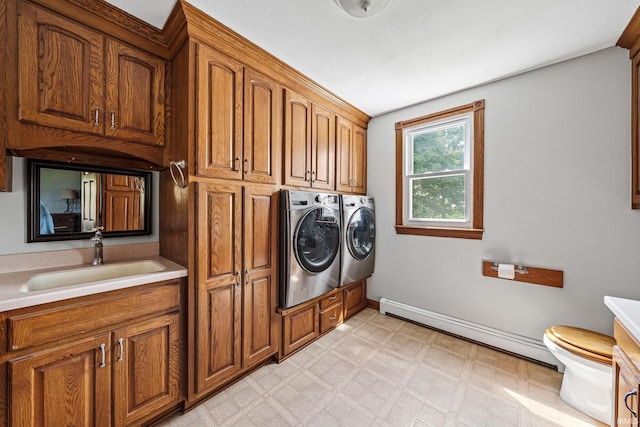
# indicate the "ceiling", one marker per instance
pixel 414 50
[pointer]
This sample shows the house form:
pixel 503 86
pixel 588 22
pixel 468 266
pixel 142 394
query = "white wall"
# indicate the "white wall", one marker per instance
pixel 557 195
pixel 13 219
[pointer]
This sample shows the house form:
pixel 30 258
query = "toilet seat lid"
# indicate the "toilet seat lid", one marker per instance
pixel 571 338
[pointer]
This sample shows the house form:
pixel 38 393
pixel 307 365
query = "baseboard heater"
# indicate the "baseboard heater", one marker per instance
pixel 512 343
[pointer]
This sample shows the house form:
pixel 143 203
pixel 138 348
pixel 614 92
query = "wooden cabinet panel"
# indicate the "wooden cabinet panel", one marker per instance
pixel 63 62
pixel 300 327
pixel 309 143
pixel 122 203
pixel 260 335
pixel 219 115
pixel 355 298
pixel 635 132
pixel 135 93
pixel 626 386
pixel 323 137
pixel 68 385
pixel 359 160
pixel 262 128
pixel 351 157
pixel 218 294
pixel 27 328
pixel 146 364
pixel 330 317
pixel 297 139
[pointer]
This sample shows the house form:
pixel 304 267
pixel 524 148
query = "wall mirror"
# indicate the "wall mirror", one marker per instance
pixel 69 201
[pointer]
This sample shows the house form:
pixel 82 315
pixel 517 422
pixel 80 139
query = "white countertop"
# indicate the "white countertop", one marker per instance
pixel 13 293
pixel 627 311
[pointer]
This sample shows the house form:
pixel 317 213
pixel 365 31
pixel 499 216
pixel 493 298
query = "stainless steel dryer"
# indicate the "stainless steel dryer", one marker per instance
pixel 309 245
pixel 358 238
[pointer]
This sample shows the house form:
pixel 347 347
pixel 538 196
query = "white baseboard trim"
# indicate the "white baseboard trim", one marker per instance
pixel 518 344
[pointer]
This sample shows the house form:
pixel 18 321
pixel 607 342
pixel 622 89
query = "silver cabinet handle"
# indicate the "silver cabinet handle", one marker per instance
pixel 633 392
pixel 306 176
pixel 332 297
pixel 247 275
pixel 113 119
pixel 313 176
pixel 97 122
pixel 102 363
pixel 238 278
pixel 333 317
pixel 121 345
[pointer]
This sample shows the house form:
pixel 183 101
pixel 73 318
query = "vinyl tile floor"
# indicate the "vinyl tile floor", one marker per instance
pixel 376 370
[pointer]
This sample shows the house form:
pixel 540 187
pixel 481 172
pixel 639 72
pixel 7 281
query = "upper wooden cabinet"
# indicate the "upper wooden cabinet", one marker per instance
pixel 77 79
pixel 629 40
pixel 309 143
pixel 230 100
pixel 351 157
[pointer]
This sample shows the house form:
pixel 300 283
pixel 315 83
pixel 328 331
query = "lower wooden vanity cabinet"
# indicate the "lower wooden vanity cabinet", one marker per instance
pixel 108 359
pixel 626 377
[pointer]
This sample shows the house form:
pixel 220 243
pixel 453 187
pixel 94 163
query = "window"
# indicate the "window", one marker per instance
pixel 440 173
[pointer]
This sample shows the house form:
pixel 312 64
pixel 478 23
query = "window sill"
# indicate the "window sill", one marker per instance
pixel 459 233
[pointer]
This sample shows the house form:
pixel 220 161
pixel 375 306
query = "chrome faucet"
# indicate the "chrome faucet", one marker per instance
pixel 97 246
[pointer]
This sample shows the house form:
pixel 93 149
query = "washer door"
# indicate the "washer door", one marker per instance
pixel 317 240
pixel 361 233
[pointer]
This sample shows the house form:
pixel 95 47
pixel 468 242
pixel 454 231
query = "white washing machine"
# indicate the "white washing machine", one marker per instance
pixel 309 245
pixel 358 238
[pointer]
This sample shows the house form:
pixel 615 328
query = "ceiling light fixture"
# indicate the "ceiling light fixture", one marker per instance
pixel 362 8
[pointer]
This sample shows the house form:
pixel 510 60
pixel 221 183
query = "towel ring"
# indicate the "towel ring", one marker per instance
pixel 179 165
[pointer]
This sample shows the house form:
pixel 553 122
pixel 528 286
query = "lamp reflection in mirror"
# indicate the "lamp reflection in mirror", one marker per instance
pixel 68 195
pixel 362 8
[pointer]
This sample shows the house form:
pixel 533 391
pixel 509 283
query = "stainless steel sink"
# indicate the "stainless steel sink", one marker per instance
pixel 84 275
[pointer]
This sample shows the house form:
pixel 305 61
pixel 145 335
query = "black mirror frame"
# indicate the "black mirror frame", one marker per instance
pixel 33 200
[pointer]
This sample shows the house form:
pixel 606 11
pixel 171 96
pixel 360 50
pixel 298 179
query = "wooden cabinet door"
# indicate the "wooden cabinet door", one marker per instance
pixel 355 298
pixel 146 369
pixel 218 287
pixel 351 157
pixel 262 128
pixel 61 69
pixel 219 115
pixel 323 142
pixel 344 142
pixel 359 160
pixel 626 384
pixel 66 386
pixel 300 327
pixel 135 90
pixel 297 139
pixel 260 337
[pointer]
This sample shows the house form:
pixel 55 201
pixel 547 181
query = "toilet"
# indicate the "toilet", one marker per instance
pixel 587 381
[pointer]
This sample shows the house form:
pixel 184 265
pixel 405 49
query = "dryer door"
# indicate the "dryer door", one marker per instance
pixel 317 240
pixel 361 233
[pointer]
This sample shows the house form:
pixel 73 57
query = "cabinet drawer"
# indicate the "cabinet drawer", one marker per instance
pixel 330 318
pixel 331 300
pixel 47 325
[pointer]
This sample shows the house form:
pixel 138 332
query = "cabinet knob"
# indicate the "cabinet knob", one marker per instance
pixel 633 392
